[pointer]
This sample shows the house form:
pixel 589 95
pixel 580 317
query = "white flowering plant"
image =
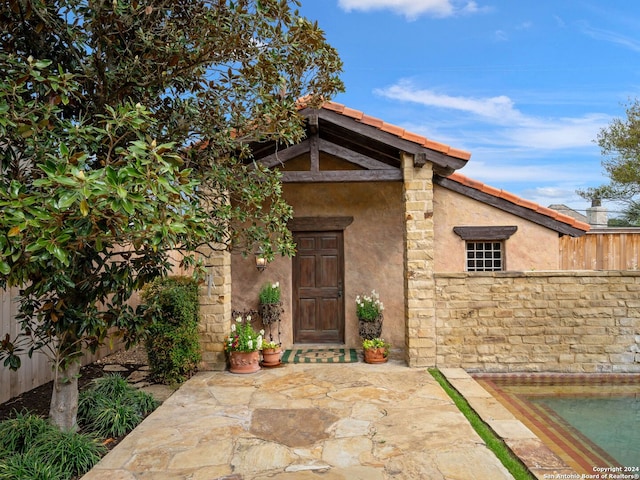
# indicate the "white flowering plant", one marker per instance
pixel 270 293
pixel 243 337
pixel 369 307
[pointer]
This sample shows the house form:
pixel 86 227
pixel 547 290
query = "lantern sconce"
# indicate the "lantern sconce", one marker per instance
pixel 261 260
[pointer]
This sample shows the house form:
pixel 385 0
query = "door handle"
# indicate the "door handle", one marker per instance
pixel 339 289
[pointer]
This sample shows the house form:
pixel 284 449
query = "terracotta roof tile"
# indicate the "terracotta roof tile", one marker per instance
pixel 373 121
pixel 510 197
pixel 455 152
pixel 350 112
pixel 440 147
pixel 548 211
pixel 336 107
pixel 393 129
pixel 419 139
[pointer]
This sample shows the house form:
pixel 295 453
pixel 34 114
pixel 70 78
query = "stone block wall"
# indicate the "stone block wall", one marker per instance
pixel 560 321
pixel 420 347
pixel 215 311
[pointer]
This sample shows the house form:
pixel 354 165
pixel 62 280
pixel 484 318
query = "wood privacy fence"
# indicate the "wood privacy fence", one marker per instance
pixel 601 249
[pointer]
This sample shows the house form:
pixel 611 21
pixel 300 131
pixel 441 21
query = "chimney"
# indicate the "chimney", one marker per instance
pixel 597 214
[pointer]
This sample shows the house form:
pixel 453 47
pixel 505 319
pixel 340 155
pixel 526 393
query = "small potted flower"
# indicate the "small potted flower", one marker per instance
pixel 270 305
pixel 271 354
pixel 376 350
pixel 243 346
pixel 369 310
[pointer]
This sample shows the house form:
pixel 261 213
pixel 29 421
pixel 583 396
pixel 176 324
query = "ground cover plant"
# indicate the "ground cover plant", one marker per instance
pixel 32 448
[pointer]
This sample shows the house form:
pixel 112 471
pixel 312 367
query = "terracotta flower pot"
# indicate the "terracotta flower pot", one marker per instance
pixel 375 355
pixel 244 362
pixel 271 357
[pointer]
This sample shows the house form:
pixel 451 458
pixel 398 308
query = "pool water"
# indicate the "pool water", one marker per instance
pixel 589 421
pixel 611 423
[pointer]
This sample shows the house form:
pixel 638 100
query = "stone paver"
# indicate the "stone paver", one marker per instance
pixel 339 421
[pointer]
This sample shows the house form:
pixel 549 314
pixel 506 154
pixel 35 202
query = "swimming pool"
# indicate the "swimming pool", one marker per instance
pixel 592 422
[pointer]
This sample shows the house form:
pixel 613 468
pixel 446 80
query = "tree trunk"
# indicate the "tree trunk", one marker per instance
pixel 63 411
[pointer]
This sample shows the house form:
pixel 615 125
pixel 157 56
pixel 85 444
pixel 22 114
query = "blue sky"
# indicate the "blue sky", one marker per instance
pixel 524 86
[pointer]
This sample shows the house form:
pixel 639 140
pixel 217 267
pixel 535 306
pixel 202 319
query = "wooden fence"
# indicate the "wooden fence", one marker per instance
pixel 601 249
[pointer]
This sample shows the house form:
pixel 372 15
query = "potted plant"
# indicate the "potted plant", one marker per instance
pixel 271 354
pixel 376 350
pixel 243 346
pixel 369 310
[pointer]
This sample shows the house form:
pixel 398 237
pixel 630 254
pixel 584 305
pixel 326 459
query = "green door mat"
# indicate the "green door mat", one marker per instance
pixel 320 355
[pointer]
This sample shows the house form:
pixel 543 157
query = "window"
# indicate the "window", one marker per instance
pixel 484 257
pixel 485 247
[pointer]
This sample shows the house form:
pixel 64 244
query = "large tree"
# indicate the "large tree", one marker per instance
pixel 620 145
pixel 124 133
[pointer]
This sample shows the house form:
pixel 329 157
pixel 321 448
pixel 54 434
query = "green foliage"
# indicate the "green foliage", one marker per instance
pixel 29 466
pixel 243 337
pixel 35 449
pixel 270 293
pixel 376 343
pixel 369 307
pixel 76 453
pixel 125 134
pixel 172 345
pixel 18 433
pixel 620 145
pixel 112 407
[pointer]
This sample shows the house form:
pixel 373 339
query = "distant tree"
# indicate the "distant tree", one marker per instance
pixel 618 222
pixel 124 132
pixel 620 145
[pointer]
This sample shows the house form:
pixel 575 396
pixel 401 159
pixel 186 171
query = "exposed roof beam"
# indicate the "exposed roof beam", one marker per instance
pixel 349 155
pixel 342 176
pixel 440 159
pixel 288 153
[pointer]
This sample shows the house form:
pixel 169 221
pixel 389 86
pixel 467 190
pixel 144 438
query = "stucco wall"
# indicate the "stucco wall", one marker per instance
pixel 539 321
pixel 373 251
pixel 531 247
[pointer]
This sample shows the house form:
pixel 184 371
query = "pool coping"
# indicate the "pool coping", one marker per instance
pixel 538 458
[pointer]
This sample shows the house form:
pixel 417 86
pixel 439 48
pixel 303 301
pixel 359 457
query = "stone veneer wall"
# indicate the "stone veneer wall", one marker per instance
pixel 564 321
pixel 215 311
pixel 420 346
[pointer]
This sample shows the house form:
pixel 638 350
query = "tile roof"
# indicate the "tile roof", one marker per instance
pixel 456 153
pixel 396 130
pixel 554 214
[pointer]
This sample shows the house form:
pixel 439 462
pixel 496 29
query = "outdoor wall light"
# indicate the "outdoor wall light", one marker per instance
pixel 261 260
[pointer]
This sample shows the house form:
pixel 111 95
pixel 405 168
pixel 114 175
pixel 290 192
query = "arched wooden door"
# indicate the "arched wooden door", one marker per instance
pixel 318 284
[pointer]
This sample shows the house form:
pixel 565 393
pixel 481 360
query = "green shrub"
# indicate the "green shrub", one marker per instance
pixel 29 466
pixel 32 448
pixel 112 408
pixel 74 452
pixel 172 345
pixel 20 431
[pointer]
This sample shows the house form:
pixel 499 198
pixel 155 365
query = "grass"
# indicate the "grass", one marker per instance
pixel 500 449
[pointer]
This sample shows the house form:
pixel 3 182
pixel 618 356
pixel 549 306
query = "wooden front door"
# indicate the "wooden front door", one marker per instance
pixel 318 279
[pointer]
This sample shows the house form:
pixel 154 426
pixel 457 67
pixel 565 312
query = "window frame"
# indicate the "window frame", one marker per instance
pixel 486 235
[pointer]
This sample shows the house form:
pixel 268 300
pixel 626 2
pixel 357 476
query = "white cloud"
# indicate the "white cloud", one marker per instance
pixel 611 37
pixel 412 9
pixel 499 109
pixel 497 122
